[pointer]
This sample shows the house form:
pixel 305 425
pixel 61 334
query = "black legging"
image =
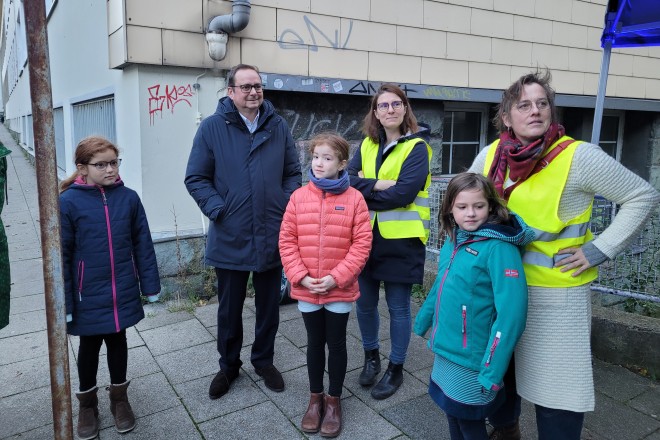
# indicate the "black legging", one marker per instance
pixel 324 327
pixel 88 358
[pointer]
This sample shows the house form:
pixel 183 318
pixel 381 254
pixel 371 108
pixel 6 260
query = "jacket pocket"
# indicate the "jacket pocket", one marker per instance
pixel 81 274
pixel 464 325
pixel 493 347
pixel 135 271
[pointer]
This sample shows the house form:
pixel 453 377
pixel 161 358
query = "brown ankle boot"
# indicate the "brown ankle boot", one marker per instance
pixel 331 425
pixel 88 417
pixel 120 408
pixel 511 432
pixel 311 421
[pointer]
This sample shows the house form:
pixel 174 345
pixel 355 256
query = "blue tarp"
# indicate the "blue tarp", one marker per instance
pixel 630 23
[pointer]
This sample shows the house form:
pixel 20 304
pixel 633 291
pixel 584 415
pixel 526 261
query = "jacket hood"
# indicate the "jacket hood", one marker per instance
pixel 514 231
pixel 227 110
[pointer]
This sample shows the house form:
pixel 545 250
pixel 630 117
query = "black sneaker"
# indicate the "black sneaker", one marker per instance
pixel 220 384
pixel 272 378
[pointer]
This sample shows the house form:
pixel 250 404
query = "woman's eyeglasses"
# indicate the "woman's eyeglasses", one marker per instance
pixel 526 106
pixel 247 88
pixel 101 166
pixel 385 106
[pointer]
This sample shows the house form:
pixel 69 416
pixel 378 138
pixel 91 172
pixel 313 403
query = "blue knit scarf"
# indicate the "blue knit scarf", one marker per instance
pixel 333 186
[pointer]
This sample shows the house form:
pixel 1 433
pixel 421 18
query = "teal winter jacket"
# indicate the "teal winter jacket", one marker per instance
pixel 477 306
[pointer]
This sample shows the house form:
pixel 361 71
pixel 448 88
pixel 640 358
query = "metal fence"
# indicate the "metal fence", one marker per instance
pixel 634 273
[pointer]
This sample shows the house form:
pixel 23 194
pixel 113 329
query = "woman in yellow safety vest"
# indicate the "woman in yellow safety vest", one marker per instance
pixel 550 180
pixel 391 170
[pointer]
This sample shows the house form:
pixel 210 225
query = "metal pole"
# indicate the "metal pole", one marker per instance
pixel 49 215
pixel 602 87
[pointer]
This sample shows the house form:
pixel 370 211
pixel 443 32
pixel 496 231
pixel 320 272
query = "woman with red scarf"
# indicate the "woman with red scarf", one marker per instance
pixel 550 180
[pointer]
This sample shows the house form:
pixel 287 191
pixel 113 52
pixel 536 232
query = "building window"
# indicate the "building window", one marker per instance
pixel 95 117
pixel 463 135
pixel 611 134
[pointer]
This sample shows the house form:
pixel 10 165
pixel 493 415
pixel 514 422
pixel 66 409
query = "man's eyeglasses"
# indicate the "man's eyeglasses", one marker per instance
pixel 385 106
pixel 101 166
pixel 526 106
pixel 247 88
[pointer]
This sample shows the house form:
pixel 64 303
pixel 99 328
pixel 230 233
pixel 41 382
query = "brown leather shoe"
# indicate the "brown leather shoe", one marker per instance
pixel 331 425
pixel 311 421
pixel 511 432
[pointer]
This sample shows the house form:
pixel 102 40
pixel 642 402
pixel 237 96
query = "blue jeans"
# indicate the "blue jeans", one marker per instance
pixel 397 296
pixel 558 423
pixel 461 429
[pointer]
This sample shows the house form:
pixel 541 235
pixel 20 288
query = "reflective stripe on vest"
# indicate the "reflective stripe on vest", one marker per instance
pixel 536 200
pixel 413 220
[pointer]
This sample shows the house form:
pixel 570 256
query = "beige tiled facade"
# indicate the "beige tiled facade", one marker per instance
pixel 478 44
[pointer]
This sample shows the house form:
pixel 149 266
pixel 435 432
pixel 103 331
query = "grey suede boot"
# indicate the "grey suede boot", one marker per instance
pixel 88 417
pixel 121 409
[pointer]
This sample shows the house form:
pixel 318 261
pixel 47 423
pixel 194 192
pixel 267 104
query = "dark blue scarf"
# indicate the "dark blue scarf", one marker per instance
pixel 333 186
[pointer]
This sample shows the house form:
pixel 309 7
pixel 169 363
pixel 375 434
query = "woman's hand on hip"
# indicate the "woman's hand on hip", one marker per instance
pixel 575 261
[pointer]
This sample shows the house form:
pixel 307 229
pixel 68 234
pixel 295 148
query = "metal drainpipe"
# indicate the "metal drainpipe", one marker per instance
pixel 234 22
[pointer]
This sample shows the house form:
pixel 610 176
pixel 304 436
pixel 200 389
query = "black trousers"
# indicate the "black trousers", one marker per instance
pixel 324 327
pixel 88 358
pixel 232 286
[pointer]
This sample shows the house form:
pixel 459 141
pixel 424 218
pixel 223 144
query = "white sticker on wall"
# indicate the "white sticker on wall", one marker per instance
pixel 337 86
pixel 278 83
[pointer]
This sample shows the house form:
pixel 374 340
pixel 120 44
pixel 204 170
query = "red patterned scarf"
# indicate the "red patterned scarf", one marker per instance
pixel 519 159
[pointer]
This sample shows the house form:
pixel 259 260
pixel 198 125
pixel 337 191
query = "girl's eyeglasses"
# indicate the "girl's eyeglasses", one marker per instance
pixel 101 166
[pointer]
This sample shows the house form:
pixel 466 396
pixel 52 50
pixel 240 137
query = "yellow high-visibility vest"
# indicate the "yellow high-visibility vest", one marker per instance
pixel 409 221
pixel 536 200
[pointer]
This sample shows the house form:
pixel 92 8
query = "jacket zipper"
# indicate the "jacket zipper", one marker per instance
pixel 321 222
pixel 442 283
pixel 135 271
pixel 464 329
pixel 112 259
pixel 496 341
pixel 81 273
pixel 437 301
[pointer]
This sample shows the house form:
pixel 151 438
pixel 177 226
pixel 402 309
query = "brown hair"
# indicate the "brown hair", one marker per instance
pixel 371 125
pixel 232 72
pixel 511 96
pixel 87 148
pixel 467 182
pixel 338 144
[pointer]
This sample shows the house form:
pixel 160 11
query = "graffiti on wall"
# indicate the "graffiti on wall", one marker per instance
pixel 291 39
pixel 306 125
pixel 166 98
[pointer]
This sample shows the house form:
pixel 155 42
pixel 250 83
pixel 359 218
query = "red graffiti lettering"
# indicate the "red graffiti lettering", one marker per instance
pixel 171 96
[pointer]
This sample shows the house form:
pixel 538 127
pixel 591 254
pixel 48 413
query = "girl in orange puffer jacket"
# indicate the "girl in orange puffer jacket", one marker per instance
pixel 325 241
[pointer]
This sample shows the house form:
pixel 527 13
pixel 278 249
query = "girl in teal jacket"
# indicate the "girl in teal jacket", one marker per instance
pixel 477 306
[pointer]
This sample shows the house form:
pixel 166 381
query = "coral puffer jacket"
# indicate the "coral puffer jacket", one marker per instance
pixel 321 234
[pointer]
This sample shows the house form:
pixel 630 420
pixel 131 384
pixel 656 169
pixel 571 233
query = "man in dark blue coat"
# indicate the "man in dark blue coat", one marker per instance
pixel 242 170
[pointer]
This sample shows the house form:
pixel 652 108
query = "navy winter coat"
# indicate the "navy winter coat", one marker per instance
pixel 242 182
pixel 108 257
pixel 398 260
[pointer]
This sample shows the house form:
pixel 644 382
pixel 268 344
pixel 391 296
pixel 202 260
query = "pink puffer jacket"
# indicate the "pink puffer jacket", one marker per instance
pixel 323 234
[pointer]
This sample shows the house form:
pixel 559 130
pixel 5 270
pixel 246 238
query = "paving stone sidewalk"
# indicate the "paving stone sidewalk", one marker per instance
pixel 173 358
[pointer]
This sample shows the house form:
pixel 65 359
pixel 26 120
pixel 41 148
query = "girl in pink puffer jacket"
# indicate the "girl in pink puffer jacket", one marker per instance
pixel 325 241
